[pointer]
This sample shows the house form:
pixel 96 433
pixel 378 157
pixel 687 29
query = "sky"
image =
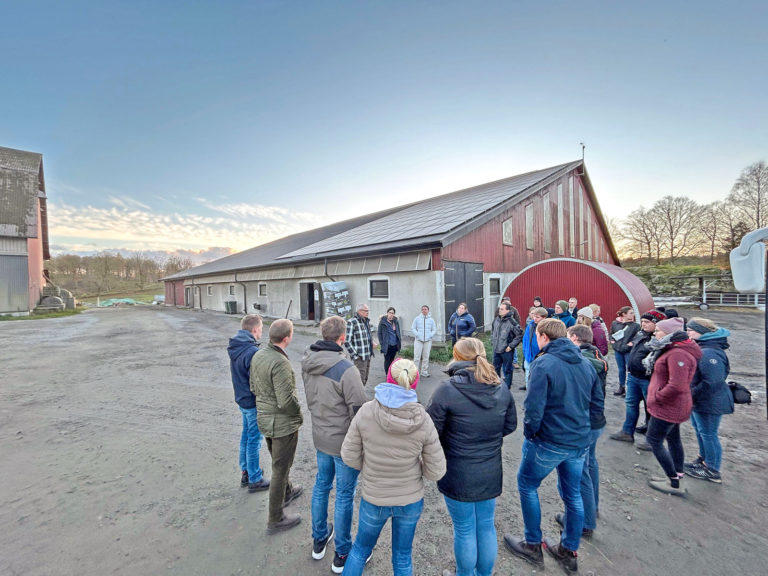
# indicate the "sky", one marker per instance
pixel 211 127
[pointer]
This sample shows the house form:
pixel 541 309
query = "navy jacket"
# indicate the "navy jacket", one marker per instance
pixel 385 329
pixel 460 326
pixel 710 392
pixel 564 397
pixel 471 419
pixel 241 349
pixel 637 352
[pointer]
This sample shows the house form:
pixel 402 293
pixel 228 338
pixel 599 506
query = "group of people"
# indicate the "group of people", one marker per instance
pixel 394 443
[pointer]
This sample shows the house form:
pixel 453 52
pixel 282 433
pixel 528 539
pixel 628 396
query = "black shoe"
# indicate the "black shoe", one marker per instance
pixel 620 392
pixel 529 552
pixel 337 566
pixel 585 532
pixel 244 479
pixel 288 521
pixel 295 492
pixel 622 436
pixel 566 558
pixel 523 388
pixel 319 546
pixel 642 429
pixel 259 486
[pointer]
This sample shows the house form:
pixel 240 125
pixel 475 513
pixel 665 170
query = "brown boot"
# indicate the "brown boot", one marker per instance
pixel 287 521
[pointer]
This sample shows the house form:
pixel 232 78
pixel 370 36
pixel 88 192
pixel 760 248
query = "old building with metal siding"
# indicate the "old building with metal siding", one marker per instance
pixel 23 230
pixel 464 246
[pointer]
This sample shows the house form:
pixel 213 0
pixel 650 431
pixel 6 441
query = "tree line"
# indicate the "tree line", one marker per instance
pixel 677 226
pixel 106 272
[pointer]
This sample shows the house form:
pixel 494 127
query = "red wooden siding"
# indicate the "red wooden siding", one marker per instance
pixel 485 244
pixel 608 286
pixel 174 293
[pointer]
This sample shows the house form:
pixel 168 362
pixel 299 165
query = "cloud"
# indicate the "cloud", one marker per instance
pixel 132 225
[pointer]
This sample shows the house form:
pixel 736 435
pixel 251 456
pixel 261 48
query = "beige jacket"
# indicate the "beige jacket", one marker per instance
pixel 395 448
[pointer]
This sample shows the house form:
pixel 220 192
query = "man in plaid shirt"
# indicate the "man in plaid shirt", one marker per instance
pixel 359 341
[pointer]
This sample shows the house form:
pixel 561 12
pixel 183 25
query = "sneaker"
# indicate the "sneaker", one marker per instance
pixel 644 446
pixel 620 392
pixel 244 479
pixel 585 532
pixel 696 463
pixel 288 521
pixel 296 491
pixel 529 552
pixel 568 559
pixel 622 436
pixel 665 486
pixel 703 473
pixel 259 486
pixel 642 429
pixel 337 566
pixel 319 546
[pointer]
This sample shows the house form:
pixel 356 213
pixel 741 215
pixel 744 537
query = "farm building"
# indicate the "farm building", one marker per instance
pixel 465 246
pixel 23 231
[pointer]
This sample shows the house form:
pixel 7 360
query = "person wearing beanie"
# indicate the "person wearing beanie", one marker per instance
pixel 562 314
pixel 472 413
pixel 638 377
pixel 672 364
pixel 711 397
pixel 623 330
pixel 394 443
pixel 585 317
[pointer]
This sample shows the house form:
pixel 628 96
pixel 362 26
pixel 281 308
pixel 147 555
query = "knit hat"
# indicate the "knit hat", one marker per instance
pixel 563 305
pixel 586 312
pixel 670 325
pixel 671 313
pixel 700 328
pixel 654 316
pixel 405 371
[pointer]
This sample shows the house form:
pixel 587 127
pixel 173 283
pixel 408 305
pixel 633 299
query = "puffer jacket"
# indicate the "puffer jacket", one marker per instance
pixel 471 419
pixel 669 391
pixel 630 330
pixel 334 393
pixel 394 444
pixel 710 391
pixel 461 326
pixel 242 347
pixel 505 333
pixel 638 351
pixel 273 383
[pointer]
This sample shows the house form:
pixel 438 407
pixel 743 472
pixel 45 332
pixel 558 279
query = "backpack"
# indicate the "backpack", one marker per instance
pixel 741 394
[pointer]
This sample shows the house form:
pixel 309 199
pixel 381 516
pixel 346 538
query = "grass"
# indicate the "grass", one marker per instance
pixel 147 295
pixel 42 316
pixel 444 354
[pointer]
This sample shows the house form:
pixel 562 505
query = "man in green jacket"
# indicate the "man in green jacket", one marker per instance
pixel 273 383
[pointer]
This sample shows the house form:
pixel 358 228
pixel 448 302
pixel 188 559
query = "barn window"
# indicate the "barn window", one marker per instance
pixel 560 220
pixel 209 290
pixel 547 224
pixel 231 290
pixel 262 289
pixel 529 226
pixel 494 286
pixel 571 218
pixel 507 234
pixel 379 289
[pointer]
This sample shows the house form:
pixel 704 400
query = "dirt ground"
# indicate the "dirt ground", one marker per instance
pixel 118 455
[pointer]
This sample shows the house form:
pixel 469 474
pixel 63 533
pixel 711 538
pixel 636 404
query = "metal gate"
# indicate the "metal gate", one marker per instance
pixel 464 283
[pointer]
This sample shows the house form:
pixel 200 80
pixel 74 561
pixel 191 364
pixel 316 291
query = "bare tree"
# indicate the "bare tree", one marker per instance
pixel 680 225
pixel 732 227
pixel 750 195
pixel 642 235
pixel 712 226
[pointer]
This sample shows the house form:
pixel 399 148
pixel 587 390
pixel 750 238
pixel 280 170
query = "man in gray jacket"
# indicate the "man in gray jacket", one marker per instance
pixel 335 393
pixel 505 338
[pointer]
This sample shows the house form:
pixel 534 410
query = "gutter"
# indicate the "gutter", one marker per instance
pixel 245 293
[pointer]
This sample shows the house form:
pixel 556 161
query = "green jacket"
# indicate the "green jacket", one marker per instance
pixel 273 383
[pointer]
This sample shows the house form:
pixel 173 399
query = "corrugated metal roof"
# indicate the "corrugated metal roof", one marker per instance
pixel 20 188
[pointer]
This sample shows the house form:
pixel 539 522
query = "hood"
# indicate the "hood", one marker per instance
pixel 321 356
pixel 240 343
pixel 588 347
pixel 689 346
pixel 563 349
pixel 463 379
pixel 562 315
pixel 397 410
pixel 719 336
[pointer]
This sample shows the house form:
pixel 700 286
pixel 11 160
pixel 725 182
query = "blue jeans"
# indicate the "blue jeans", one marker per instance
pixel 474 536
pixel 329 467
pixel 538 461
pixel 370 521
pixel 622 360
pixel 590 482
pixel 250 444
pixel 706 426
pixel 505 360
pixel 637 389
pixel 527 367
pixel 670 460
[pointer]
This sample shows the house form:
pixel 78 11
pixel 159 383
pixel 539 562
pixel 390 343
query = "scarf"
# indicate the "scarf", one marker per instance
pixel 657 346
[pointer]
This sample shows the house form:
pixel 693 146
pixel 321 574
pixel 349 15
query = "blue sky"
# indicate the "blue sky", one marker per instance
pixel 189 125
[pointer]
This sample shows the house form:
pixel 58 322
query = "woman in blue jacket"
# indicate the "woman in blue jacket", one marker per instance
pixel 461 324
pixel 530 345
pixel 472 414
pixel 711 397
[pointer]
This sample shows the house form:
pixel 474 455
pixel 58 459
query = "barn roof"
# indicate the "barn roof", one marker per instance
pixel 433 222
pixel 20 187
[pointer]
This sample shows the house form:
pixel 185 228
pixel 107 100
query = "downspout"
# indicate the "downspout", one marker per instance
pixel 325 270
pixel 245 294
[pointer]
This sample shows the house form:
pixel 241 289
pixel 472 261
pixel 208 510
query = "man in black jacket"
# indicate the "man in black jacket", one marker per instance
pixel 506 335
pixel 638 378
